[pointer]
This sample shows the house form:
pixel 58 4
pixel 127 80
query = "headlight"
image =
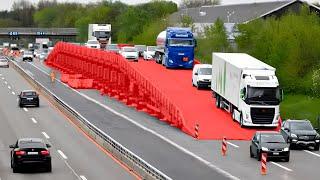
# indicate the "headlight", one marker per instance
pixel 286 149
pixel 294 136
pixel 264 149
pixel 317 140
pixel 170 61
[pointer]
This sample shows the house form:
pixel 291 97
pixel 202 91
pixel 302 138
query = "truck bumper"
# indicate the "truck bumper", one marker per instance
pixel 250 124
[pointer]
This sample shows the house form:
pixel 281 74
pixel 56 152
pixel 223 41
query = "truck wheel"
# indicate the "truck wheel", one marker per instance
pixel 217 101
pixel 316 147
pixel 251 154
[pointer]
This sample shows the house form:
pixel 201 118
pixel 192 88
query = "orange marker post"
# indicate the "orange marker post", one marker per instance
pixel 263 164
pixel 224 146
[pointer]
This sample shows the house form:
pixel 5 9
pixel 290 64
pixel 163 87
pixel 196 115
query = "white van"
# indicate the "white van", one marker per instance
pixel 202 75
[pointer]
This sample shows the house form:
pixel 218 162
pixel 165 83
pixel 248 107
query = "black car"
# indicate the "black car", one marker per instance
pixel 271 143
pixel 300 133
pixel 29 152
pixel 28 98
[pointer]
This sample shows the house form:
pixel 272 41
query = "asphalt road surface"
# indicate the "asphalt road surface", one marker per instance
pixel 74 156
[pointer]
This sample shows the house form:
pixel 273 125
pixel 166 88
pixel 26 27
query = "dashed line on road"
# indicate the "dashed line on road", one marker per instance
pixel 62 154
pixel 236 146
pixel 9 87
pixel 13 93
pixel 2 78
pixel 318 155
pixel 45 135
pixel 81 176
pixel 34 120
pixel 281 166
pixel 6 82
pixel 25 109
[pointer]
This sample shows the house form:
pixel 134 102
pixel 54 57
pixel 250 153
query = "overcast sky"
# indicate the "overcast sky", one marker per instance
pixel 6 4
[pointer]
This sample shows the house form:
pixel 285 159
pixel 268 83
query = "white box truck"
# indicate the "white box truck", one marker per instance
pixel 101 33
pixel 247 88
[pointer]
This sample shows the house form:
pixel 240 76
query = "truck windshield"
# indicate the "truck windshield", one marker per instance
pixel 102 34
pixel 205 71
pixel 263 95
pixel 180 42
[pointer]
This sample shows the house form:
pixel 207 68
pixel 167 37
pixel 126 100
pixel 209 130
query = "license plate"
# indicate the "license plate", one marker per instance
pixel 32 153
pixel 275 153
pixel 29 98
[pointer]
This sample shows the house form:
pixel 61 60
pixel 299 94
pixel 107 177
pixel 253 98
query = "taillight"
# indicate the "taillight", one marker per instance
pixel 185 59
pixel 20 153
pixel 45 153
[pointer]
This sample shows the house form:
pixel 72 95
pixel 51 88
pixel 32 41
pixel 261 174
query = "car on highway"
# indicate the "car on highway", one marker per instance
pixel 27 56
pixel 271 143
pixel 4 62
pixel 93 44
pixel 113 48
pixel 28 98
pixel 300 133
pixel 149 53
pixel 140 49
pixel 129 53
pixel 30 152
pixel 202 75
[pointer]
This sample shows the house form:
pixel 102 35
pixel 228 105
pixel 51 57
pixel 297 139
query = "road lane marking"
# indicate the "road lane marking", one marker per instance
pixel 81 176
pixel 236 146
pixel 281 166
pixel 13 93
pixel 45 135
pixel 6 82
pixel 2 78
pixel 62 154
pixel 9 87
pixel 34 120
pixel 25 109
pixel 318 155
pixel 186 151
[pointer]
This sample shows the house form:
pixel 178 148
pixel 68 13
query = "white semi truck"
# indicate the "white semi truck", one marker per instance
pixel 247 88
pixel 101 33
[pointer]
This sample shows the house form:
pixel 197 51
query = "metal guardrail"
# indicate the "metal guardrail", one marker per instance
pixel 139 162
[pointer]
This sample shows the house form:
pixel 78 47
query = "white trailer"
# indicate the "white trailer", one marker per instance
pixel 101 33
pixel 247 88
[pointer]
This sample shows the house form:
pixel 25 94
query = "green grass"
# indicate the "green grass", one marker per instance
pixel 300 107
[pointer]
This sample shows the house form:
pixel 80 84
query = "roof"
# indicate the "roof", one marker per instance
pixel 267 132
pixel 28 90
pixel 295 120
pixel 233 13
pixel 203 65
pixel 40 31
pixel 244 61
pixel 31 139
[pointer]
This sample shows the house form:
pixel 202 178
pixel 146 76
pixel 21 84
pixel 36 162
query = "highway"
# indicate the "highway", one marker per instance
pixel 74 155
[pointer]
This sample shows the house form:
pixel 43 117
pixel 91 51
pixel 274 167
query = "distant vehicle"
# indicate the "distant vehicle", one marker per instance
pixel 113 48
pixel 175 48
pixel 27 56
pixel 247 88
pixel 30 152
pixel 4 62
pixel 202 75
pixel 93 44
pixel 129 53
pixel 149 52
pixel 271 143
pixel 140 49
pixel 101 33
pixel 300 133
pixel 28 98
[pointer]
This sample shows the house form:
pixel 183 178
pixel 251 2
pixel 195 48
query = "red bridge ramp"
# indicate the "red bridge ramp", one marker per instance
pixel 196 106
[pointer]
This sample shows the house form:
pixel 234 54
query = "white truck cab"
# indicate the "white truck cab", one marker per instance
pixel 202 75
pixel 247 88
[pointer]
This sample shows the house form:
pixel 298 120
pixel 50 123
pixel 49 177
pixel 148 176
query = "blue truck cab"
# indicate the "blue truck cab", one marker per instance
pixel 177 48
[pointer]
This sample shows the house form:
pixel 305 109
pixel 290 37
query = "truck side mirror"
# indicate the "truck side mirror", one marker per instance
pixel 12 146
pixel 196 74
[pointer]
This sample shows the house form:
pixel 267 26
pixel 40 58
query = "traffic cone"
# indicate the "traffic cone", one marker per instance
pixel 263 164
pixel 224 146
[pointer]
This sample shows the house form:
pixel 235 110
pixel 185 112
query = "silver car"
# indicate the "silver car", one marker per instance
pixel 4 62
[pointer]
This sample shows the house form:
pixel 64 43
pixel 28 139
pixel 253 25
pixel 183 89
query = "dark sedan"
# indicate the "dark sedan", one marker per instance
pixel 271 143
pixel 300 133
pixel 29 152
pixel 28 98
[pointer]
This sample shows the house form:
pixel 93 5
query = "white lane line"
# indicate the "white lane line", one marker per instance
pixel 318 155
pixel 283 167
pixel 34 120
pixel 2 78
pixel 81 176
pixel 6 82
pixel 236 146
pixel 186 151
pixel 13 93
pixel 9 87
pixel 62 154
pixel 25 109
pixel 45 135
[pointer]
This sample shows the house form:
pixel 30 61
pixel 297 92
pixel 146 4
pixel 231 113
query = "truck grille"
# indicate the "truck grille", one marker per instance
pixel 262 115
